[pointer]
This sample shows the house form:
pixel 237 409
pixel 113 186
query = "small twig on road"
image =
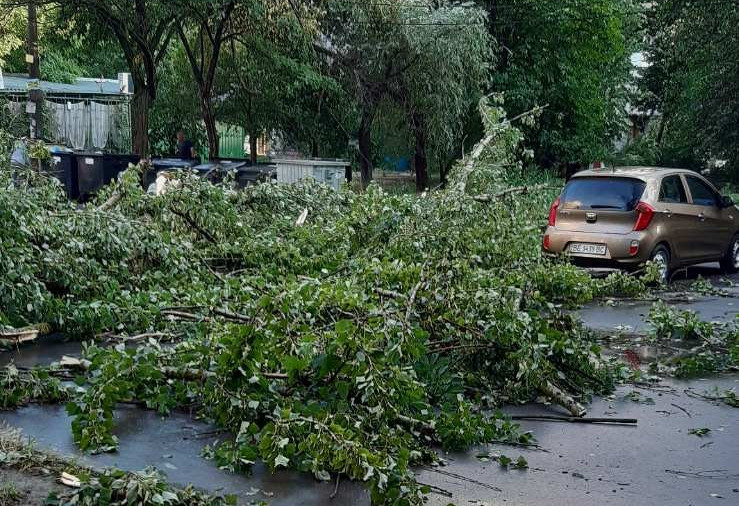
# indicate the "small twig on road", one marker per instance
pixel 336 488
pixel 574 419
pixel 528 446
pixel 436 490
pixel 682 409
pixel 461 477
pixel 718 474
pixel 711 398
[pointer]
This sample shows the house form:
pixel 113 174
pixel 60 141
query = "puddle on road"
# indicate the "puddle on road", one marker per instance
pixel 639 351
pixel 173 445
pixel 656 462
pixel 43 351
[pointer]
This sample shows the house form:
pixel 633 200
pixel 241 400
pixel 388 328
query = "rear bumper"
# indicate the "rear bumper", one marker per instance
pixel 617 247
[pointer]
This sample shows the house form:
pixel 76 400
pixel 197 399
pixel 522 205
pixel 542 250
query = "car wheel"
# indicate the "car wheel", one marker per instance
pixel 661 257
pixel 730 261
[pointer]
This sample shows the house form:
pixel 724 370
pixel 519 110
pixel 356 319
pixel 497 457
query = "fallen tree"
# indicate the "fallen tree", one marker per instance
pixel 352 341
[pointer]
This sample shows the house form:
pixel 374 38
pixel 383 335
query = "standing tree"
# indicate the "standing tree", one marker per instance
pixel 574 56
pixel 429 58
pixel 363 42
pixel 204 28
pixel 693 81
pixel 143 29
pixel 451 53
pixel 266 70
pixel 12 28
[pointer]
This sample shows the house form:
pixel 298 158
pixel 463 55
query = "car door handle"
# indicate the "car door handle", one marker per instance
pixel 702 217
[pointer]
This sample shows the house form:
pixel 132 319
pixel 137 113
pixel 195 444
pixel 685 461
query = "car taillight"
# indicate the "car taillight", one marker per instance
pixel 644 215
pixel 553 212
pixel 546 242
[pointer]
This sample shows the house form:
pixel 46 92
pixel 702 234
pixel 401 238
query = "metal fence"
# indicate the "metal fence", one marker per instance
pixel 81 123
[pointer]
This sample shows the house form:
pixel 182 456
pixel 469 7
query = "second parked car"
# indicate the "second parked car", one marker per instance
pixel 624 217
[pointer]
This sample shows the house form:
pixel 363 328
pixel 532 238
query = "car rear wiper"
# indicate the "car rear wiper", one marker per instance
pixel 606 207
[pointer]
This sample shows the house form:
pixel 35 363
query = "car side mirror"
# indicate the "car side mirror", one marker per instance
pixel 726 202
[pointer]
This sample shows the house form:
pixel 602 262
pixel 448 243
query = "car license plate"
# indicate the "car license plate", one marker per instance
pixel 588 249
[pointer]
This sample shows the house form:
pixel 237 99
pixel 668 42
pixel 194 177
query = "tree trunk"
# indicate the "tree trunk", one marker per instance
pixel 140 106
pixel 210 124
pixel 365 148
pixel 444 173
pixel 420 160
pixel 314 148
pixel 661 130
pixel 253 147
pixel 34 71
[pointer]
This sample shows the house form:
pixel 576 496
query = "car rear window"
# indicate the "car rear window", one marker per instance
pixel 617 193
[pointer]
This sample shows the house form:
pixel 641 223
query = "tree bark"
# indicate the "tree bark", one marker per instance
pixel 420 159
pixel 34 71
pixel 444 173
pixel 365 147
pixel 661 130
pixel 140 106
pixel 253 147
pixel 314 148
pixel 210 124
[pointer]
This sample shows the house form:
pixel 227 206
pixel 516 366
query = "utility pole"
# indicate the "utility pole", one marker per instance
pixel 36 96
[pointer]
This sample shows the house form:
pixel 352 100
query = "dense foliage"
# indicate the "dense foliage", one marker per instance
pixel 693 81
pixel 352 341
pixel 572 55
pixel 398 78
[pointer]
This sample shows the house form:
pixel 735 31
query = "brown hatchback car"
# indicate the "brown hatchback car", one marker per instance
pixel 624 217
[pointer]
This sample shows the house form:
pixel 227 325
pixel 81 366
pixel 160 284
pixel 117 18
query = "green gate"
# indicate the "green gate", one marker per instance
pixel 231 141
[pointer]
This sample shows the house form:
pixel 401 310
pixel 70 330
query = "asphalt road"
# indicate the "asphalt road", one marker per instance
pixel 630 316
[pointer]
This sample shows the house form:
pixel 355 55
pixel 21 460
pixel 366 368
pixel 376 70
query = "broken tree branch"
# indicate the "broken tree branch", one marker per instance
pixel 513 191
pixel 414 292
pixel 188 219
pixel 111 202
pixel 469 165
pixel 390 293
pixel 558 396
pixel 25 334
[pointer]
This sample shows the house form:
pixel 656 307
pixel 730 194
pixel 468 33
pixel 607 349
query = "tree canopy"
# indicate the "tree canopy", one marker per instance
pixel 317 73
pixel 572 56
pixel 693 81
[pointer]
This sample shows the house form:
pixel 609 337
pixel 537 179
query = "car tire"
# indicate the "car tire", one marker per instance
pixel 661 257
pixel 730 260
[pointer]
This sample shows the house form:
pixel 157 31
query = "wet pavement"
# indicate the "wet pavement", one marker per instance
pixel 629 316
pixel 173 445
pixel 657 462
pixel 43 351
